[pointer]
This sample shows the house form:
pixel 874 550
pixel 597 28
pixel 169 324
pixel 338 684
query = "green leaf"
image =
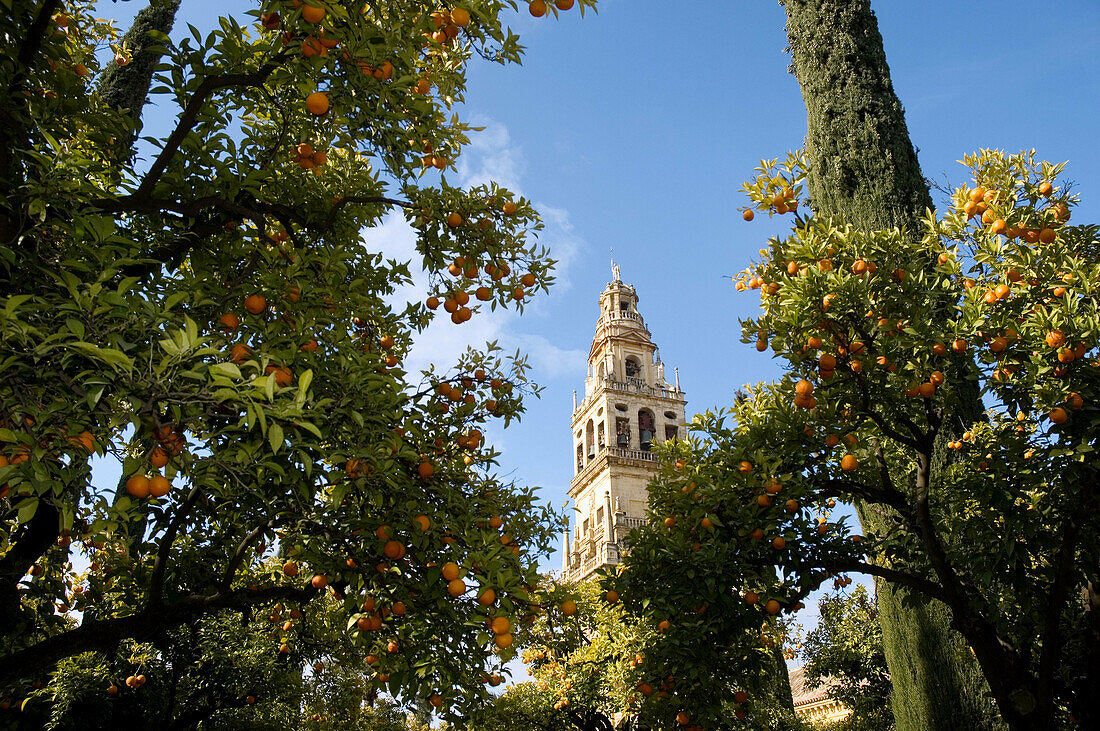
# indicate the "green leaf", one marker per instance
pixel 27 509
pixel 275 437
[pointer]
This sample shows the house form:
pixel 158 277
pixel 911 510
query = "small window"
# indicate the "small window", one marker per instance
pixel 599 517
pixel 590 439
pixel 618 407
pixel 671 431
pixel 670 414
pixel 585 527
pixel 600 442
pixel 580 457
pixel 633 367
pixel 624 305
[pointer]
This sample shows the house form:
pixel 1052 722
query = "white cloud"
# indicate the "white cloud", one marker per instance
pixel 491 156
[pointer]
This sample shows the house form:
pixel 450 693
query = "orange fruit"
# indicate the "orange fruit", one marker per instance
pixel 568 607
pixel 312 14
pixel 138 486
pixel 848 462
pixel 319 581
pixel 158 457
pixel 451 571
pixel 239 353
pixel 500 625
pixel 748 215
pixel 456 587
pixel 779 543
pixel 1045 189
pixel 537 8
pixel 562 4
pixel 255 303
pixel 772 607
pixel 504 641
pixel 486 598
pixel 804 388
pixel 460 17
pixel 290 568
pixel 317 103
pixel 425 470
pixel 230 321
pixel 611 596
pixel 159 486
pixel 1058 415
pixel 393 550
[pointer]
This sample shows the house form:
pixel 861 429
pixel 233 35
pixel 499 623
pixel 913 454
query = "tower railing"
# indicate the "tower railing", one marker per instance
pixel 633 385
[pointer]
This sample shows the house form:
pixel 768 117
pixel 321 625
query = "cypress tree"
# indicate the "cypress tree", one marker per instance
pixel 864 171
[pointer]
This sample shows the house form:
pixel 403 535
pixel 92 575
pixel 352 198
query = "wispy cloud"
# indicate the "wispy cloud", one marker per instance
pixel 491 156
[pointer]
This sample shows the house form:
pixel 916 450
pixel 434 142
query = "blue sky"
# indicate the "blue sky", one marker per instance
pixel 633 128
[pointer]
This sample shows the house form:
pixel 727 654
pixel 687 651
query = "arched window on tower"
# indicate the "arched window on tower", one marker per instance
pixel 580 457
pixel 645 428
pixel 633 367
pixel 590 439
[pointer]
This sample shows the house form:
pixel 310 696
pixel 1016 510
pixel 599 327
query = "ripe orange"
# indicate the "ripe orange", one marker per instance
pixel 230 321
pixel 158 457
pixel 1058 415
pixel 772 607
pixel 748 215
pixel 848 462
pixel 486 597
pixel 425 470
pixel 255 303
pixel 740 696
pixel 527 280
pixel 454 219
pixel 1055 339
pixel 435 700
pixel 393 550
pixel 1045 189
pixel 451 571
pixel 504 641
pixel 159 486
pixel 611 596
pixel 456 587
pixel 317 103
pixel 683 718
pixel 509 208
pixel 1047 236
pixel 537 8
pixel 290 568
pixel 751 597
pixel 138 486
pixel 312 14
pixel 319 581
pixel 460 17
pixel 779 543
pixel 500 625
pixel 568 607
pixel 563 4
pixel 958 345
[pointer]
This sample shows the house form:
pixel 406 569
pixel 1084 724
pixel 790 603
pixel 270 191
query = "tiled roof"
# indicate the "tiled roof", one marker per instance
pixel 803 693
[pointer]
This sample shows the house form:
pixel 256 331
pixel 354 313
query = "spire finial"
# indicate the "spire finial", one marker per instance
pixel 614 268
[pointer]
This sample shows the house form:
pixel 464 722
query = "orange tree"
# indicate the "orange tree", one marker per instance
pixel 211 318
pixel 885 337
pixel 598 664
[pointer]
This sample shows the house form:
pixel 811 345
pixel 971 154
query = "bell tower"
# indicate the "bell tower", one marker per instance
pixel 627 406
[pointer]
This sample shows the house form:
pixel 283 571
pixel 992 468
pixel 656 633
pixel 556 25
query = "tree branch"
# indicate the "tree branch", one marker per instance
pixel 190 114
pixel 104 635
pixel 156 581
pixel 242 548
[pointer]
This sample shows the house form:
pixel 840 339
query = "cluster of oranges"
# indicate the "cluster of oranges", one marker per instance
pixel 309 158
pixel 979 205
pixel 538 8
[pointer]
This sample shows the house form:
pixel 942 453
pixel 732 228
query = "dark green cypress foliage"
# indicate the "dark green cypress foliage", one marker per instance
pixel 864 170
pixel 126 87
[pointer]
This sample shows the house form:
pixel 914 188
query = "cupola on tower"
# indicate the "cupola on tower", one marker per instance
pixel 627 406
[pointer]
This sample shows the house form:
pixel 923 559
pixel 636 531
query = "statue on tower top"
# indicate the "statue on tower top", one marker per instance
pixel 614 270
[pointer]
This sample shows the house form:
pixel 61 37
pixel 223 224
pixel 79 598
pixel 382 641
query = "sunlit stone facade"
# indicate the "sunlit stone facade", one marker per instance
pixel 627 406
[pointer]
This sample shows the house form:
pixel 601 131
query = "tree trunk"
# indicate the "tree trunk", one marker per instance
pixel 864 170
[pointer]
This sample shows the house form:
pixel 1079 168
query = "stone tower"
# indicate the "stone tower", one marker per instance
pixel 627 406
